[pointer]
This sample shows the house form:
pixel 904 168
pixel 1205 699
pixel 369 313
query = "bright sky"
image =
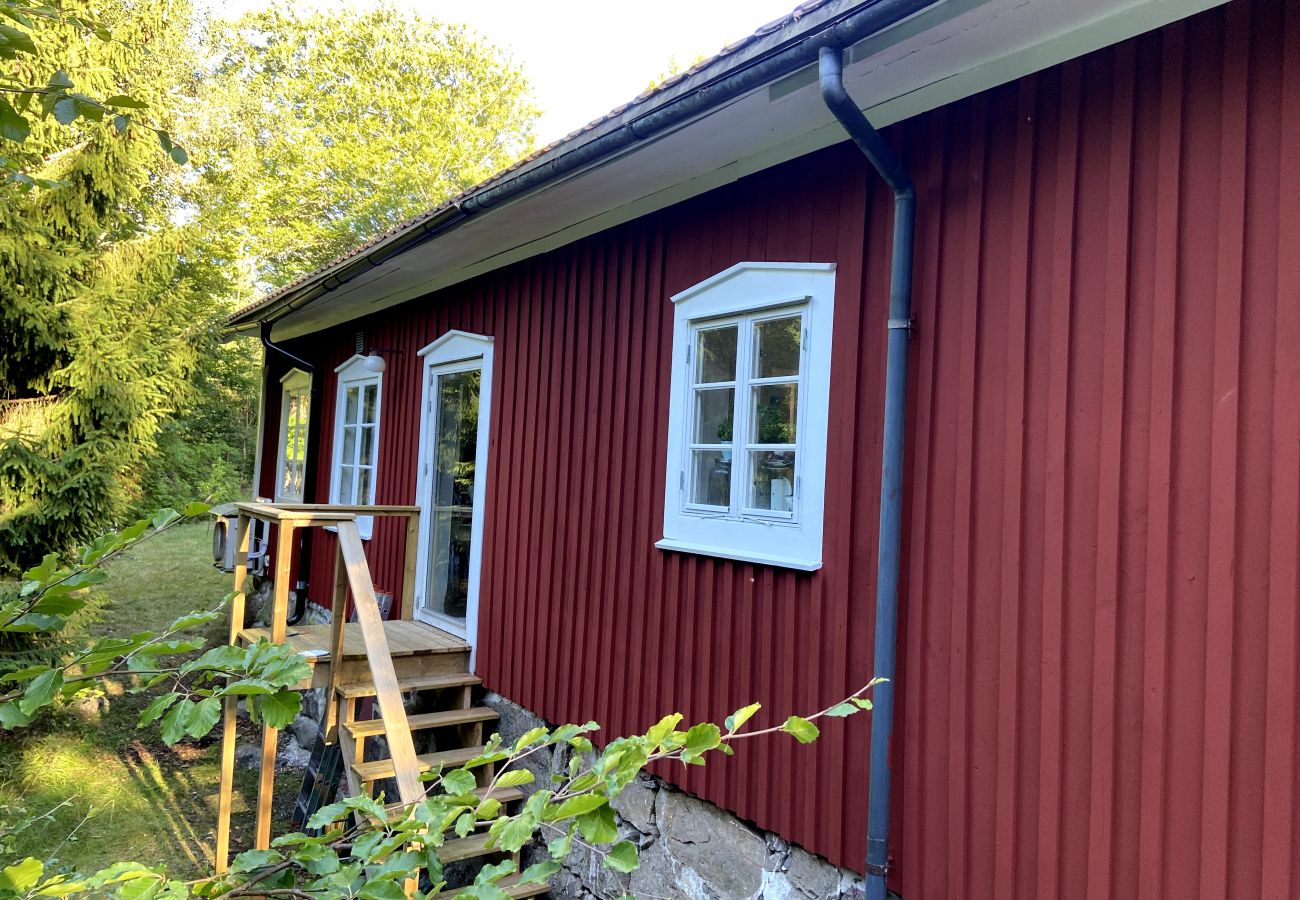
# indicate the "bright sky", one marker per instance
pixel 586 57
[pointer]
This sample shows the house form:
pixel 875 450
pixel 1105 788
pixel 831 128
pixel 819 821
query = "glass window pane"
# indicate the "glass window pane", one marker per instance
pixel 776 409
pixel 453 490
pixel 773 480
pixel 711 477
pixel 345 494
pixel 364 485
pixel 348 455
pixel 715 354
pixel 368 404
pixel 367 445
pixel 776 346
pixel 350 407
pixel 713 415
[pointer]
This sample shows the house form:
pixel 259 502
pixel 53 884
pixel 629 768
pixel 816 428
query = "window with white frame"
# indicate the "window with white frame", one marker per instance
pixel 749 414
pixel 356 437
pixel 295 412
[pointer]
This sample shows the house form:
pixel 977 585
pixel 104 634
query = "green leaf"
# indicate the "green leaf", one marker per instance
pixel 13 127
pixel 22 876
pixel 560 847
pixel 40 692
pixel 538 873
pixel 203 717
pixel 164 517
pixel 576 806
pixel 701 738
pixel 515 777
pixel 382 890
pixel 529 737
pixel 598 826
pixel 65 111
pixel 198 617
pixel 741 716
pixel 458 781
pixel 122 101
pixel 861 702
pixel 517 832
pixel 157 708
pixel 464 824
pixel 622 857
pixel 327 815
pixel 60 81
pixel 841 710
pixel 368 806
pixel 174 723
pixel 13 717
pixel 19 40
pixel 804 732
pixel 281 708
pixel 196 508
pixel 178 155
pixel 252 860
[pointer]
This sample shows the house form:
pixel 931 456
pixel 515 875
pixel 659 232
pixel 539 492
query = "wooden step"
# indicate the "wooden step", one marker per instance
pixel 501 795
pixel 468 847
pixel 374 770
pixel 424 721
pixel 414 683
pixel 512 887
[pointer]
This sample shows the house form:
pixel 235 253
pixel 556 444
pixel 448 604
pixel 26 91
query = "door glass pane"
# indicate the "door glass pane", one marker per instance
pixel 367 445
pixel 776 347
pixel 350 407
pixel 713 415
pixel 455 447
pixel 348 456
pixel 368 404
pixel 345 485
pixel 776 409
pixel 715 354
pixel 773 480
pixel 711 477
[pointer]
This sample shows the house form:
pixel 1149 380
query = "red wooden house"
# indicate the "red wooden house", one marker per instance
pixel 640 377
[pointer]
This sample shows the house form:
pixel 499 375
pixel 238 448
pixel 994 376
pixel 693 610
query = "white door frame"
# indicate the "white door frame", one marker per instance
pixel 455 351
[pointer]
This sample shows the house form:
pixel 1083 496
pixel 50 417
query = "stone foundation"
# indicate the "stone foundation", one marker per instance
pixel 689 847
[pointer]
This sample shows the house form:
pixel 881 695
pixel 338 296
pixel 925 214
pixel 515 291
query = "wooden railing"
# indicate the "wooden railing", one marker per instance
pixel 352 575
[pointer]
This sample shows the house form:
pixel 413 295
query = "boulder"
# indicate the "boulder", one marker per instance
pixel 713 845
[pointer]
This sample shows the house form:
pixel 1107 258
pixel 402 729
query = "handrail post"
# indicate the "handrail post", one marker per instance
pixel 279 629
pixel 230 706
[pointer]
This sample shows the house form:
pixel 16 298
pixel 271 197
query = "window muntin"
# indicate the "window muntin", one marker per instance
pixel 743 456
pixel 295 416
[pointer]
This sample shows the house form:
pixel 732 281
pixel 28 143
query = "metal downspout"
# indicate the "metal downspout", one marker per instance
pixel 309 473
pixel 881 156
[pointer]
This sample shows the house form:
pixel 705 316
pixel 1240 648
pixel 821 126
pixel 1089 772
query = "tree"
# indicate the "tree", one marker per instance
pixel 104 306
pixel 321 130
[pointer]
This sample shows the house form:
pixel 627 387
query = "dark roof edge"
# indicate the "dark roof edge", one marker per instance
pixel 775 51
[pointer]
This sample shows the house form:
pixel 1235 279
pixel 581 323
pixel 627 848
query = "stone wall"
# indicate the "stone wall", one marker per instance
pixel 689 847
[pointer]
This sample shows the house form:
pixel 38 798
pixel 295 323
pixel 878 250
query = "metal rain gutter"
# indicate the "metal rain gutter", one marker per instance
pixel 890 168
pixel 839 33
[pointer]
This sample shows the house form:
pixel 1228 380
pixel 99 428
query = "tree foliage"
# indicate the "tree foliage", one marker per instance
pixel 104 306
pixel 323 129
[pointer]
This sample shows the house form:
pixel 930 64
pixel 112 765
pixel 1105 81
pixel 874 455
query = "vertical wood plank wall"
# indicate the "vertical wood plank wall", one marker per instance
pixel 1098 678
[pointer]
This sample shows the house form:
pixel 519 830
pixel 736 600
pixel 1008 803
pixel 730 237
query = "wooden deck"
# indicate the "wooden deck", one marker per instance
pixel 416 649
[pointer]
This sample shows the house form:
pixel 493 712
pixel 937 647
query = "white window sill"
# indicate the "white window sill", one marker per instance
pixel 749 556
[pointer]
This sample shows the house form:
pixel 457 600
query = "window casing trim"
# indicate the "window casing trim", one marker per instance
pixel 353 374
pixel 747 294
pixel 295 381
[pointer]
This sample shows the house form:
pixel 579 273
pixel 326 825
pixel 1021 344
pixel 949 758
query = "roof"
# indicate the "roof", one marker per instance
pixel 928 52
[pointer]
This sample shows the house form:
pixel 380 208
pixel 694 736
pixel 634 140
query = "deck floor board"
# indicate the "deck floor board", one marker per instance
pixel 405 638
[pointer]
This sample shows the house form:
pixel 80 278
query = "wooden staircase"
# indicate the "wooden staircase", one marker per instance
pixel 368 665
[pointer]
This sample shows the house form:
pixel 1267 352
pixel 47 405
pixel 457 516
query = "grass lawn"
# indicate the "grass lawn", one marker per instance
pixel 146 803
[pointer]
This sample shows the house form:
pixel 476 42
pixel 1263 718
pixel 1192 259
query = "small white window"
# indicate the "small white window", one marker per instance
pixel 356 438
pixel 295 412
pixel 748 419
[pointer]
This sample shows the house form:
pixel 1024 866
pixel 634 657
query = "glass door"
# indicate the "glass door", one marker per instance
pixel 450 583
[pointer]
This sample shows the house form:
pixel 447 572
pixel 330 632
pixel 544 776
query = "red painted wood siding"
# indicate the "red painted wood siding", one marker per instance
pixel 1099 663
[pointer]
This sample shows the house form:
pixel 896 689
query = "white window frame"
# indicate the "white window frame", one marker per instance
pixel 455 351
pixel 353 373
pixel 744 294
pixel 298 382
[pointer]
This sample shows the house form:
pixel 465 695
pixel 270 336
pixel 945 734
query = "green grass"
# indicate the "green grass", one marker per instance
pixel 146 803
